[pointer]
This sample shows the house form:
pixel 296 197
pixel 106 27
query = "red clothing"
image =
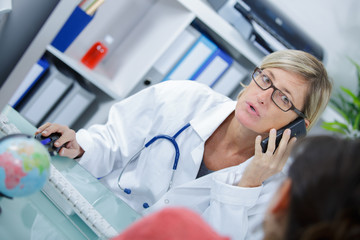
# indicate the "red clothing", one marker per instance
pixel 170 224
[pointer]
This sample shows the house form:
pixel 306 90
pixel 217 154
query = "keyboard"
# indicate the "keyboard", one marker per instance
pixel 68 200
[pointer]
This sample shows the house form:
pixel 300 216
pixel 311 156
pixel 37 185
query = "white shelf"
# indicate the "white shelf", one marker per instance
pixel 135 54
pixel 143 31
pixel 99 80
pixel 151 29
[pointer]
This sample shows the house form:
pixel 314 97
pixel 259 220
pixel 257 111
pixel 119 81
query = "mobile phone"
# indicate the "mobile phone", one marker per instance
pixel 297 127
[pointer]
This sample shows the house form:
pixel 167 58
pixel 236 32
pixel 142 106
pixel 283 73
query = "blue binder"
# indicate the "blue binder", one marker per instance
pixel 213 68
pixel 76 23
pixel 30 80
pixel 193 60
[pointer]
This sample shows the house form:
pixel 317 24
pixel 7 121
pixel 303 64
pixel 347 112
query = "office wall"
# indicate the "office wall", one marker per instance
pixel 336 26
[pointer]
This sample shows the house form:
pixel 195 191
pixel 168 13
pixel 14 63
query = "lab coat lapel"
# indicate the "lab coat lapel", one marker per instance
pixel 205 124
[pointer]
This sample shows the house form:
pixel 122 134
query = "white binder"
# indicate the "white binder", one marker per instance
pixel 46 96
pixel 231 79
pixel 193 60
pixel 75 102
pixel 168 60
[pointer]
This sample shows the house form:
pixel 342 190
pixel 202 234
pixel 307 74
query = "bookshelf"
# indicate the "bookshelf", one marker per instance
pixel 143 31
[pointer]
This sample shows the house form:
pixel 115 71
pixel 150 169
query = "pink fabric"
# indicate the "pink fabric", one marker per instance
pixel 170 224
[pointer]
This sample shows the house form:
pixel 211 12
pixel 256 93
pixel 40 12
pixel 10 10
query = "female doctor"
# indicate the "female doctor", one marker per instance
pixel 198 132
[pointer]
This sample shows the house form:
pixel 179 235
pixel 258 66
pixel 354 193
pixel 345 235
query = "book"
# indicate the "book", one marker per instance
pixel 46 96
pixel 213 68
pixel 74 103
pixel 231 79
pixel 168 60
pixel 195 57
pixel 30 80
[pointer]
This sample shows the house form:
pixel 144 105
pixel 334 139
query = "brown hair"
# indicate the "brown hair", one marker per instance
pixel 325 192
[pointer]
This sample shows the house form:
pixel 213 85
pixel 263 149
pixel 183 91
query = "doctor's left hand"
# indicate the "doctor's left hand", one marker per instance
pixel 71 148
pixel 265 165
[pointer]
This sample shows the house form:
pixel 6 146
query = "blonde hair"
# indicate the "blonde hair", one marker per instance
pixel 313 72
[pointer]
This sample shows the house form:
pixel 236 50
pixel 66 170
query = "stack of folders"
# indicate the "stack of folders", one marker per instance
pixel 59 97
pixel 192 56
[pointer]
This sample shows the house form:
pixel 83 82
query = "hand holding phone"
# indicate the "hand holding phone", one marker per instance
pixel 297 127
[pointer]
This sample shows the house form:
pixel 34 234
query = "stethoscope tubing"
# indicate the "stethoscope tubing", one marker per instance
pixel 151 141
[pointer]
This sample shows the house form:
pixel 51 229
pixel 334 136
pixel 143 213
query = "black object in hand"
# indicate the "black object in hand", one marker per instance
pixel 297 127
pixel 49 141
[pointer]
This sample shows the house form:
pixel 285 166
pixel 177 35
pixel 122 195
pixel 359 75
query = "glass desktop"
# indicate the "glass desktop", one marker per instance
pixel 37 217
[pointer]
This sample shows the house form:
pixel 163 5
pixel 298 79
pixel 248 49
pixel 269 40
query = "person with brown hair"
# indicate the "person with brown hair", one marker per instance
pixel 320 199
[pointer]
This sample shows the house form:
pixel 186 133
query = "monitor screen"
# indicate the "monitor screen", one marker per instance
pixel 25 31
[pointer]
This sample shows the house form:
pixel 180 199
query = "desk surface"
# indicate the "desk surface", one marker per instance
pixel 36 217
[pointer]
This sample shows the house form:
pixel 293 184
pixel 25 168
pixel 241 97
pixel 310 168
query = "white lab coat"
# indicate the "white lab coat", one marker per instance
pixel 164 109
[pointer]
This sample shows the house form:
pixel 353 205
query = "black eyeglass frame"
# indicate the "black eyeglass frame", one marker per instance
pixel 293 108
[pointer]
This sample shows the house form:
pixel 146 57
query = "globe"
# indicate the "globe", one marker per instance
pixel 24 165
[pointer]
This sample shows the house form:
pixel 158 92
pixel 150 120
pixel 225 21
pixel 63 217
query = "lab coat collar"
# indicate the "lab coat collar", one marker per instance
pixel 205 124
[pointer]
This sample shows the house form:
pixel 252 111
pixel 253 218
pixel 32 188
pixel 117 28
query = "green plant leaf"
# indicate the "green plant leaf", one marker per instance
pixel 334 128
pixel 337 123
pixel 343 105
pixel 358 74
pixel 347 104
pixel 352 95
pixel 342 113
pixel 356 125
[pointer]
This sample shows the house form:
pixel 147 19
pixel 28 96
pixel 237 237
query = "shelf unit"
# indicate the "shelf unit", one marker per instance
pixel 143 30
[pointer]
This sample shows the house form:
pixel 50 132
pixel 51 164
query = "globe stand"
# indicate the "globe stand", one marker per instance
pixel 3 195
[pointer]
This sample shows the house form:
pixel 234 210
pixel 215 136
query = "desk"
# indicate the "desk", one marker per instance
pixel 36 217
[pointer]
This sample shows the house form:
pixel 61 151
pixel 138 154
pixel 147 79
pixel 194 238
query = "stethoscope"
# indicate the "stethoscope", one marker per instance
pixel 151 141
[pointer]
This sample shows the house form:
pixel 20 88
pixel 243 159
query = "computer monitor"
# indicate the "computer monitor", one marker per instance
pixel 25 32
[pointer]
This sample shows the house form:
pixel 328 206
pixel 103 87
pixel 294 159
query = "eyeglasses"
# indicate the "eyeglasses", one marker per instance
pixel 278 97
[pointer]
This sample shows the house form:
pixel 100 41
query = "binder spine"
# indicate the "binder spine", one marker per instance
pixel 213 68
pixel 28 83
pixel 192 60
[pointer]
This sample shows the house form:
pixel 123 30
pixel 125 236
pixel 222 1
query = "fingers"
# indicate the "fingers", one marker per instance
pixel 284 141
pixel 285 147
pixel 70 148
pixel 272 141
pixel 67 135
pixel 70 153
pixel 258 149
pixel 42 128
pixel 289 148
pixel 49 128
